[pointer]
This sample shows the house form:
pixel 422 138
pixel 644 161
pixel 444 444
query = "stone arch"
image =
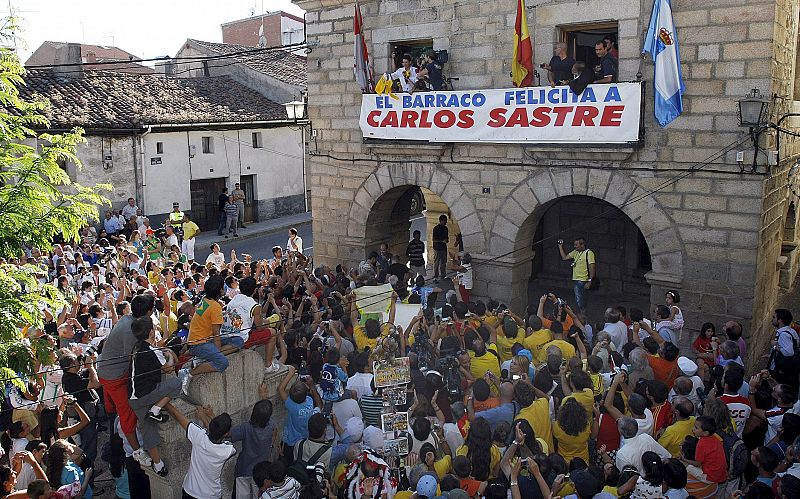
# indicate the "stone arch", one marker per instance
pixel 790 223
pixel 438 180
pixel 516 222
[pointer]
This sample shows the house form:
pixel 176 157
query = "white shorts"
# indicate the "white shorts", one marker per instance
pixel 187 248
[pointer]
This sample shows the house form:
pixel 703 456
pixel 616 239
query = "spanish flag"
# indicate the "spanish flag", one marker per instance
pixel 522 65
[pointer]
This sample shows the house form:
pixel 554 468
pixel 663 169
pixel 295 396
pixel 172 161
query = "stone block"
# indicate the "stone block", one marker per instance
pixel 504 228
pixel 542 187
pixel 697 235
pixel 683 217
pixel 703 202
pixel 562 181
pixel 747 50
pixel 598 183
pixel 733 221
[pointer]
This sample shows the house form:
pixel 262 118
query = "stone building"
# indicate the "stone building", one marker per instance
pixel 669 211
pixel 164 139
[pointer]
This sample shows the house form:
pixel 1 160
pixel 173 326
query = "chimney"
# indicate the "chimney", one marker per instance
pixel 68 60
pixel 91 57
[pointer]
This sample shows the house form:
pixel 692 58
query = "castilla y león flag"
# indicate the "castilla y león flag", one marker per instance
pixel 360 55
pixel 522 65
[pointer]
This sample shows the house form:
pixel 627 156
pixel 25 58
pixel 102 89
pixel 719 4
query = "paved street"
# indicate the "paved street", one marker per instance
pixel 261 246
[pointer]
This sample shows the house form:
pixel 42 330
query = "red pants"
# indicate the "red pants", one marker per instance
pixel 115 398
pixel 259 336
pixel 465 293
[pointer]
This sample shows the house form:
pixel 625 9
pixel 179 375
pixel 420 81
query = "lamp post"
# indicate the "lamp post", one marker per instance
pixel 296 111
pixel 752 114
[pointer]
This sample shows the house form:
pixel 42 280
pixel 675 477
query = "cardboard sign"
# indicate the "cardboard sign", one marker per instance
pixel 392 372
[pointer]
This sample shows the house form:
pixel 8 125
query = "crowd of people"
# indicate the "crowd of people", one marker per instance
pixel 544 402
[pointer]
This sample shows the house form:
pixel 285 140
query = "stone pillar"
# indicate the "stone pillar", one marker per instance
pixel 234 391
pixel 505 280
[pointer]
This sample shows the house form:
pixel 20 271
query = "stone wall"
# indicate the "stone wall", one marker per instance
pixel 711 233
pixel 235 391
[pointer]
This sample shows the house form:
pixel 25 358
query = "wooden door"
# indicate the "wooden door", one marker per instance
pixel 205 202
pixel 247 183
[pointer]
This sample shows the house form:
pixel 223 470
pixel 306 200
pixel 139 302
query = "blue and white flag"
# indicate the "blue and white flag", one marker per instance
pixel 661 43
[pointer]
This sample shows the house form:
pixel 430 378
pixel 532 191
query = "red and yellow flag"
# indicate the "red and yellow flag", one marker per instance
pixel 522 65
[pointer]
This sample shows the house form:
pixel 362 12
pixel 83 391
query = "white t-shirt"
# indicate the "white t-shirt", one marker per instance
pixel 239 316
pixel 205 464
pixel 465 278
pixel 406 84
pixel 646 424
pixel 619 334
pixel 774 421
pixel 217 259
pixel 360 382
pixel 172 241
pixel 298 242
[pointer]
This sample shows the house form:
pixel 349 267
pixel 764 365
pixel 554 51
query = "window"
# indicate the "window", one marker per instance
pixel 416 49
pixel 159 148
pixel 581 38
pixel 208 145
pixel 257 143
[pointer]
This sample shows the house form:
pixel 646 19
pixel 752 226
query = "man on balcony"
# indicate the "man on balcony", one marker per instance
pixel 406 74
pixel 606 69
pixel 559 70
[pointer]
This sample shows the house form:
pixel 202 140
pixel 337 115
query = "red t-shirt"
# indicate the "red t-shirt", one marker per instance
pixel 471 486
pixel 711 455
pixel 703 345
pixel 608 433
pixel 662 417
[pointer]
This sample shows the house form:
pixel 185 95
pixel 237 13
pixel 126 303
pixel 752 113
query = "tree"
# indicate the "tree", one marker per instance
pixel 38 201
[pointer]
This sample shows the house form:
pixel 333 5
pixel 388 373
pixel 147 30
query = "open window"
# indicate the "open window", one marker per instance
pixel 581 38
pixel 416 48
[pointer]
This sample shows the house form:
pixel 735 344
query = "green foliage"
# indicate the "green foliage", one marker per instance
pixel 37 202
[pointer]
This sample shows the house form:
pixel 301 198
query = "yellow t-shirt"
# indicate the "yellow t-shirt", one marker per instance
pixel 584 397
pixel 190 229
pixel 443 466
pixel 535 340
pixel 582 260
pixel 208 314
pixel 494 460
pixel 538 416
pixel 675 434
pixel 487 362
pixel 360 335
pixel 491 319
pixel 504 344
pixel 570 446
pixel 567 350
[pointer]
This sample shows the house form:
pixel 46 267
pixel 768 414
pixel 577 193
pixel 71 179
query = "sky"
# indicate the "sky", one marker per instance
pixel 146 28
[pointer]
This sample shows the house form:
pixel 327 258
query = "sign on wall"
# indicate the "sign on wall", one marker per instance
pixel 602 114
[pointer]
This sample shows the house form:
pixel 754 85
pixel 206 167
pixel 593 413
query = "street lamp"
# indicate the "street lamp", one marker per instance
pixel 752 112
pixel 295 110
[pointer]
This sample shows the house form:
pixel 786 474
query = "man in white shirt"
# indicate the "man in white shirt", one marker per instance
pixel 130 209
pixel 295 242
pixel 616 329
pixel 780 366
pixel 172 239
pixel 633 445
pixel 111 224
pixel 406 74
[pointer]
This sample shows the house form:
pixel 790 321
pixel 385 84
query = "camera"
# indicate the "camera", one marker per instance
pixel 542 65
pixel 560 241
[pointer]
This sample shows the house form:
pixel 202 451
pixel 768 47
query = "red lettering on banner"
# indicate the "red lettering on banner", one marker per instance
pixel 584 116
pixel 518 118
pixel 390 120
pixel 465 119
pixel 541 117
pixel 408 119
pixel 372 118
pixel 440 121
pixel 424 122
pixel 497 117
pixel 561 114
pixel 612 116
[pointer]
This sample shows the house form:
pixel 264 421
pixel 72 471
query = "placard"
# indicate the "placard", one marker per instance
pixel 394 395
pixel 392 372
pixel 397 421
pixel 394 447
pixel 602 114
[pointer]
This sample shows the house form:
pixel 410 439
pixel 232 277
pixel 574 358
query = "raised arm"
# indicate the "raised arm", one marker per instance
pixel 608 401
pixel 283 387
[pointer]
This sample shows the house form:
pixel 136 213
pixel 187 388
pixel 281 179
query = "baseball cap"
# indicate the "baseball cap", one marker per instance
pixel 687 366
pixel 427 485
pixel 373 438
pixel 354 428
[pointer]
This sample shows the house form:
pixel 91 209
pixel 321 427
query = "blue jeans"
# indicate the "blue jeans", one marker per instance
pixel 580 294
pixel 440 263
pixel 211 354
pixel 222 219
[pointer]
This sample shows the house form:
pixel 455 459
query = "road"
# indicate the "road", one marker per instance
pixel 261 247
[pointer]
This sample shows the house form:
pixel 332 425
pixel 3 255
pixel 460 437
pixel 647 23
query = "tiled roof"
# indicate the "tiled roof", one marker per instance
pixel 109 100
pixel 279 64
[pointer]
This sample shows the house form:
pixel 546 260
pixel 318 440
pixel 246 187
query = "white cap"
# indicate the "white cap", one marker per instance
pixel 687 366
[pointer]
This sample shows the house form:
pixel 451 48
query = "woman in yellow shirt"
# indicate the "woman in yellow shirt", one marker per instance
pixel 479 438
pixel 572 430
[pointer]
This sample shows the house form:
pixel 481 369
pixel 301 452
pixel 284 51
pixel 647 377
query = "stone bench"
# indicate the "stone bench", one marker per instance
pixel 234 391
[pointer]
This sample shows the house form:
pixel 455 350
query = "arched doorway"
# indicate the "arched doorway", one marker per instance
pixel 401 210
pixel 623 257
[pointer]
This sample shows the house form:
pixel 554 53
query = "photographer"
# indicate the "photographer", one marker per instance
pixel 559 70
pixel 301 401
pixel 583 269
pixel 80 380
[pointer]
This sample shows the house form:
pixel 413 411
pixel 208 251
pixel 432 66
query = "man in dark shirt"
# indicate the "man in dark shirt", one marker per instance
pixel 583 77
pixel 606 70
pixel 415 252
pixel 441 237
pixel 81 383
pixel 559 71
pixel 223 200
pixel 433 71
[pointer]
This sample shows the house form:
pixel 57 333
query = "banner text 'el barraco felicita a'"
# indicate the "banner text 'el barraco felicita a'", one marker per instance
pixel 602 114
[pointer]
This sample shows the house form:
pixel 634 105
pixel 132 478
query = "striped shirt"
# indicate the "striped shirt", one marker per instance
pixel 231 210
pixel 289 489
pixel 415 252
pixel 371 409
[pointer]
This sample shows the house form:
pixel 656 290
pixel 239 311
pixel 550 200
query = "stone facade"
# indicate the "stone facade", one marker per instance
pixel 714 234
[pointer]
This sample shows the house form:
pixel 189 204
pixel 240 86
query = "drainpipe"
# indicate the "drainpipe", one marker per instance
pixel 144 168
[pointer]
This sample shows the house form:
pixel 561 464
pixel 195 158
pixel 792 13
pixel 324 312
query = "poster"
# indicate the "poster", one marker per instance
pixel 405 313
pixel 395 446
pixel 397 421
pixel 392 372
pixel 394 395
pixel 602 114
pixel 373 298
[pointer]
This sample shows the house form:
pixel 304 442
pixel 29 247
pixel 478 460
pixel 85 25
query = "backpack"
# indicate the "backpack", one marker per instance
pixel 737 454
pixel 299 468
pixel 329 381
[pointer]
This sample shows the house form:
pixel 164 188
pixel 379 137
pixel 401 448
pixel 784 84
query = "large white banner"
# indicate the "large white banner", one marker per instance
pixel 602 114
